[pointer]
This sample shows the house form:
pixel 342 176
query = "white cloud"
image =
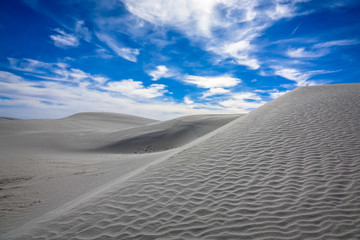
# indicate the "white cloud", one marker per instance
pixel 281 9
pixel 63 39
pixel 194 17
pixel 238 51
pixel 82 31
pixel 243 102
pixel 8 77
pixel 34 66
pixel 319 49
pixel 54 71
pixel 129 54
pixel 103 53
pixel 226 28
pixel 161 71
pixel 212 81
pixel 302 53
pixel 136 89
pixel 215 91
pixel 300 78
pixel 188 101
pixel 345 42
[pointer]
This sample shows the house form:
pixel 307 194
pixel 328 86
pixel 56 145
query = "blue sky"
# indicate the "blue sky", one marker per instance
pixel 169 58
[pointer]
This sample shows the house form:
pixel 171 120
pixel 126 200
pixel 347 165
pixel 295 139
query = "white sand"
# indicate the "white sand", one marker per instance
pixel 47 163
pixel 288 170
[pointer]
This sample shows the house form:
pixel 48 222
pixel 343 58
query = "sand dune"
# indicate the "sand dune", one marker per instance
pixel 77 122
pixel 45 163
pixel 164 135
pixel 288 170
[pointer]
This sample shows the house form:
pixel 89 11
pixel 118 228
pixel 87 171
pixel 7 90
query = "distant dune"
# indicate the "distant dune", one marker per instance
pixel 165 135
pixel 80 121
pixel 107 120
pixel 8 118
pixel 288 170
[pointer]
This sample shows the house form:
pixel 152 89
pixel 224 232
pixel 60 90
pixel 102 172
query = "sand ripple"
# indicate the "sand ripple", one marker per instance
pixel 288 170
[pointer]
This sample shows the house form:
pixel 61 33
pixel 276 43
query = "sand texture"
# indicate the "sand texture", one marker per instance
pixel 287 170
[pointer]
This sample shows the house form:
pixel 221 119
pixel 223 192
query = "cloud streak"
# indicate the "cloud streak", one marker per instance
pixel 63 39
pixel 302 78
pixel 129 54
pixel 54 71
pixel 319 49
pixel 212 81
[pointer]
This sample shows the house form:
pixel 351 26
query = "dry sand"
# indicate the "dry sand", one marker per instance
pixel 288 170
pixel 46 163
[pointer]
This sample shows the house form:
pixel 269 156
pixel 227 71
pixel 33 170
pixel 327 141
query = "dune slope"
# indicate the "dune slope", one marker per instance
pixel 165 135
pixel 288 170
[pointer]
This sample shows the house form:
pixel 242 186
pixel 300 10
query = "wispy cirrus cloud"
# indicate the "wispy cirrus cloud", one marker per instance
pixel 34 66
pixel 63 39
pixel 238 52
pixel 302 78
pixel 319 49
pixel 344 42
pixel 127 53
pixel 58 71
pixel 303 53
pixel 82 31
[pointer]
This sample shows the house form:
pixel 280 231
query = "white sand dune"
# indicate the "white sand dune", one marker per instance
pixel 288 170
pixel 46 163
pixel 164 135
